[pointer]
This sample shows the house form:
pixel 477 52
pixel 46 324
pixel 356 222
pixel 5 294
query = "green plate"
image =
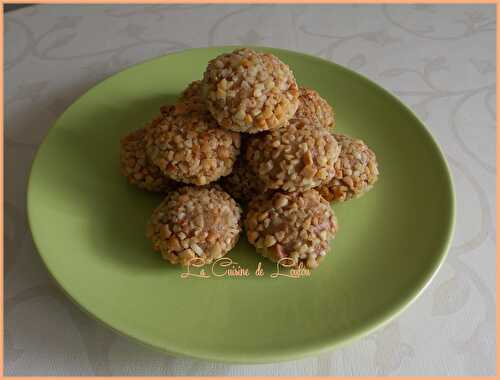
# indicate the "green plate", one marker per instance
pixel 89 225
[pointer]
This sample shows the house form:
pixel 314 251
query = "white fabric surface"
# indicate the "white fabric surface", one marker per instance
pixel 440 60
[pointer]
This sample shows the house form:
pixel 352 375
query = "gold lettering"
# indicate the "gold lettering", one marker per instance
pixel 294 272
pixel 259 271
pixel 285 262
pixel 223 262
pixel 195 262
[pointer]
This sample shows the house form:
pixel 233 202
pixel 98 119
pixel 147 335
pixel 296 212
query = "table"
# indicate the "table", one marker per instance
pixel 440 60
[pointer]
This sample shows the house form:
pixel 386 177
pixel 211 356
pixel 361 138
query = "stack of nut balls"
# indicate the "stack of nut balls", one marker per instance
pixel 246 132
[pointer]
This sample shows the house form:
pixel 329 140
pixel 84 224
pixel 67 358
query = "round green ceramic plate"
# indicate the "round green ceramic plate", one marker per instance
pixel 89 225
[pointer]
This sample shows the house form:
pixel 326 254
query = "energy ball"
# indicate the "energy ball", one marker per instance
pixel 298 226
pixel 242 184
pixel 248 91
pixel 189 147
pixel 191 98
pixel 314 108
pixel 137 168
pixel 356 171
pixel 299 157
pixel 195 222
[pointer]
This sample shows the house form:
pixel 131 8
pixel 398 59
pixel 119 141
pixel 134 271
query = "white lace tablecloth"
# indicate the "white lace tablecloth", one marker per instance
pixel 440 60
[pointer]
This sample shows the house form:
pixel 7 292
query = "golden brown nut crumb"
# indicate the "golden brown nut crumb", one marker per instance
pixel 195 222
pixel 296 225
pixel 314 108
pixel 191 98
pixel 189 147
pixel 298 157
pixel 242 184
pixel 248 91
pixel 356 170
pixel 137 168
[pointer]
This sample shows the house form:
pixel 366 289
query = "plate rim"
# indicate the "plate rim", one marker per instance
pixel 316 347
